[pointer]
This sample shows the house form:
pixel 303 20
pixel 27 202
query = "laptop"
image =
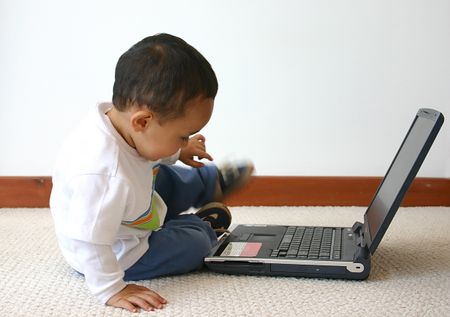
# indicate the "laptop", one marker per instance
pixel 329 252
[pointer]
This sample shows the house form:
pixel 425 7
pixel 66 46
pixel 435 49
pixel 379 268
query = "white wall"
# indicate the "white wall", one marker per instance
pixel 306 87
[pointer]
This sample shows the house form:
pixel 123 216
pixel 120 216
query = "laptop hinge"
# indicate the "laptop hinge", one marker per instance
pixel 358 230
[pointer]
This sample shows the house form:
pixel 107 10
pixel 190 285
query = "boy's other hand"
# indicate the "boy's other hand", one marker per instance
pixel 133 297
pixel 195 147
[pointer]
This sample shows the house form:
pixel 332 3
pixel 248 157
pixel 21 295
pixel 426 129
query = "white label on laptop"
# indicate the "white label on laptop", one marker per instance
pixel 245 249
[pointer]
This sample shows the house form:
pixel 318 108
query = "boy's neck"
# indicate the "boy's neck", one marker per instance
pixel 120 122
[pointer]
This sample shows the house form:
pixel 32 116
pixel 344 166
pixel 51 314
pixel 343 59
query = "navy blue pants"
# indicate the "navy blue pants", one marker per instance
pixel 184 240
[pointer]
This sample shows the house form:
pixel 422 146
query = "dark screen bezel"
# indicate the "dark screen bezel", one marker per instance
pixel 427 114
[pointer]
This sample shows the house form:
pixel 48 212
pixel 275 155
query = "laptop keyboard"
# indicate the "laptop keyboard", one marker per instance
pixel 310 243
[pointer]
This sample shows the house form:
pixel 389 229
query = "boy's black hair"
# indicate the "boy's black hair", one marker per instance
pixel 162 72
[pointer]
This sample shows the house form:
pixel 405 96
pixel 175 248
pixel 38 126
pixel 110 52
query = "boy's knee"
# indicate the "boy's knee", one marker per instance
pixel 179 248
pixel 196 246
pixel 184 243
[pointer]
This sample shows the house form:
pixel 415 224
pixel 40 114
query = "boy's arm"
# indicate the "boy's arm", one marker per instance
pixel 195 148
pixel 103 274
pixel 87 227
pixel 133 297
pixel 104 278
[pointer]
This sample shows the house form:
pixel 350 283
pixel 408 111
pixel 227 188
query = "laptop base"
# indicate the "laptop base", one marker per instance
pixel 248 249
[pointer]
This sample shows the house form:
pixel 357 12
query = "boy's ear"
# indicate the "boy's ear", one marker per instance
pixel 141 120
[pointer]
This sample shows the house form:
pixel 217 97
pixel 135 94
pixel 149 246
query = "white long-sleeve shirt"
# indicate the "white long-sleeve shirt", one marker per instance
pixel 103 203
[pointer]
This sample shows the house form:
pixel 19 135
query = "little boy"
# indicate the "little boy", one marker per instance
pixel 116 201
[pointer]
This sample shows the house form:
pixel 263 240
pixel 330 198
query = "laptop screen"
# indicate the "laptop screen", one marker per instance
pixel 400 175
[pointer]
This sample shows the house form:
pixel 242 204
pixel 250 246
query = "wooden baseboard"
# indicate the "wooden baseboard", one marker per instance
pixel 334 191
pixel 34 191
pixel 24 191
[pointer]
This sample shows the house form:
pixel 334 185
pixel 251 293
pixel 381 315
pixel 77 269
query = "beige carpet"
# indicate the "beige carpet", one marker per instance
pixel 35 281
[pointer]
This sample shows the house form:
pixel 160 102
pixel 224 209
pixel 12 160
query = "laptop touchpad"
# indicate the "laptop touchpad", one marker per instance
pixel 262 237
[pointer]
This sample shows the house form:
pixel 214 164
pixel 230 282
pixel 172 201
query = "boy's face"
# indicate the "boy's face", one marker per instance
pixel 155 140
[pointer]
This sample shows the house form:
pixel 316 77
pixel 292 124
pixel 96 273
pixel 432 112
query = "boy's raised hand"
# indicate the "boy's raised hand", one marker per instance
pixel 133 297
pixel 195 147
